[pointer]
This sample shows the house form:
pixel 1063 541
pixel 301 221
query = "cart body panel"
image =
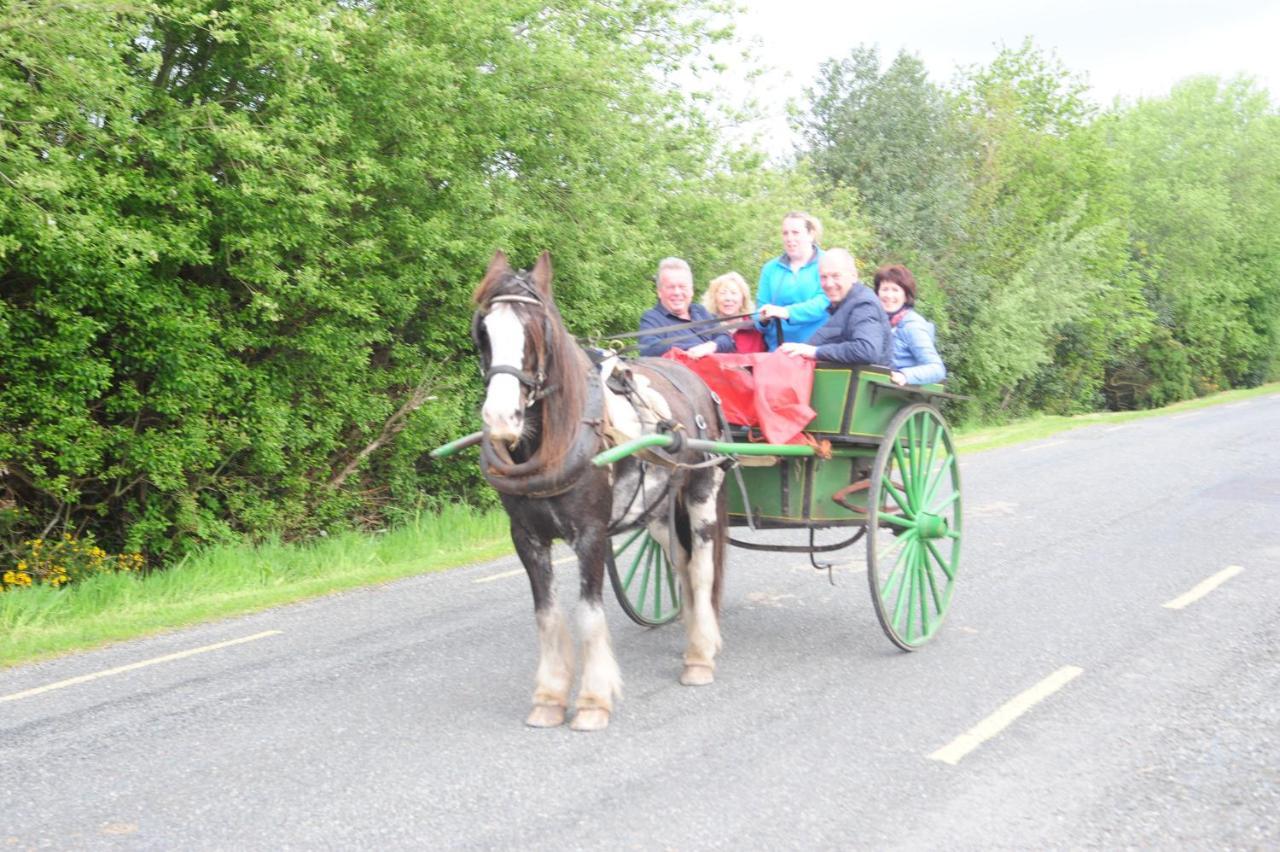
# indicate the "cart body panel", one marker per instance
pixel 854 406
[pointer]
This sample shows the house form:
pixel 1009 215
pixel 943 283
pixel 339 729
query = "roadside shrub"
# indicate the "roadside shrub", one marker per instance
pixel 62 561
pixel 1172 374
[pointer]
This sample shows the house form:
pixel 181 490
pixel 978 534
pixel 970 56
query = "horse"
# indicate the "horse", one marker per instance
pixel 547 412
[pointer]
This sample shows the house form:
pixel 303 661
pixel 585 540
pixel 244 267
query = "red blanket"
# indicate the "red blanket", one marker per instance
pixel 773 394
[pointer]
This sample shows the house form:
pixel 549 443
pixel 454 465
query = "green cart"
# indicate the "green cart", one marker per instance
pixel 884 469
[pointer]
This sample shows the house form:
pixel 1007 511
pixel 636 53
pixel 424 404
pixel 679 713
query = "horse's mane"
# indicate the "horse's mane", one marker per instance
pixel 564 362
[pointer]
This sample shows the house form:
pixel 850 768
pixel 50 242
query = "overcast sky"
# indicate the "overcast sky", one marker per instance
pixel 1124 48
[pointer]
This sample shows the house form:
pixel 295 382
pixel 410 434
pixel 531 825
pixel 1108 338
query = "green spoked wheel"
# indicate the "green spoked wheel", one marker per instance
pixel 913 526
pixel 644 579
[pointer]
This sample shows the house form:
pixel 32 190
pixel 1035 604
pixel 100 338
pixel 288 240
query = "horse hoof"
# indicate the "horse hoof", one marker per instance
pixel 590 719
pixel 697 675
pixel 545 716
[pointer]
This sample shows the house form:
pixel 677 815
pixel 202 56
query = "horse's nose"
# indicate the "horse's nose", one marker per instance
pixel 501 412
pixel 503 426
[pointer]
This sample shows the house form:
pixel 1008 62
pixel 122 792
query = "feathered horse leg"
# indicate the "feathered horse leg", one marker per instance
pixel 701 615
pixel 601 678
pixel 555 645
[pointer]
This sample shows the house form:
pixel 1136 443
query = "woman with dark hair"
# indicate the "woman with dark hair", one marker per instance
pixel 915 356
pixel 789 290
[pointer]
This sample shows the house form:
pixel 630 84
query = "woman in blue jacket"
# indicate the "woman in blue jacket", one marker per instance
pixel 789 289
pixel 915 356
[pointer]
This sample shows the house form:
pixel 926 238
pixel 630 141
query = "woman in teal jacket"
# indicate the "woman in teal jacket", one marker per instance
pixel 789 289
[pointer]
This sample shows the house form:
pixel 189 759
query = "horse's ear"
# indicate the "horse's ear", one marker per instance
pixel 542 274
pixel 497 265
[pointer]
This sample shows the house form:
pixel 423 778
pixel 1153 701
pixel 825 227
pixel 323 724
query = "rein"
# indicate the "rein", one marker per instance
pixel 713 324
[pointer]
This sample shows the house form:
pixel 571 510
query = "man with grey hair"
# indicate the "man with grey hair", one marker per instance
pixel 858 331
pixel 676 307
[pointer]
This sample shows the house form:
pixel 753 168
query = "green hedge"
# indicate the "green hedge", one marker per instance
pixel 239 241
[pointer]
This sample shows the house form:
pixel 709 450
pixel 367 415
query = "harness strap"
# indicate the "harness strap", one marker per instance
pixel 622 383
pixel 531 479
pixel 528 300
pixel 523 377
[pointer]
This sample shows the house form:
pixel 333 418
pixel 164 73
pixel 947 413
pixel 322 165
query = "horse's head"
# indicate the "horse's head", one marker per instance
pixel 514 331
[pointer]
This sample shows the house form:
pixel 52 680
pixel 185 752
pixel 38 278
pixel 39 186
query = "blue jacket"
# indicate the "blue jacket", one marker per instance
pixel 799 292
pixel 653 345
pixel 857 331
pixel 914 352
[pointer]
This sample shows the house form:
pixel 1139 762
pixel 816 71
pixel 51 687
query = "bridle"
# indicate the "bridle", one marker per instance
pixel 534 382
pixel 532 477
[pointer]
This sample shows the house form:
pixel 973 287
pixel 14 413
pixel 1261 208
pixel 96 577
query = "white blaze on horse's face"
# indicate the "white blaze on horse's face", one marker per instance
pixel 502 412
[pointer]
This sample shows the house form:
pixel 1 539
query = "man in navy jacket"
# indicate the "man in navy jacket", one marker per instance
pixel 858 330
pixel 676 307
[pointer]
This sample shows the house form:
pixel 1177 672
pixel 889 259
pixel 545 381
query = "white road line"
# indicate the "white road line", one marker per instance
pixel 1118 428
pixel 520 571
pixel 1041 446
pixel 955 750
pixel 1188 414
pixel 167 658
pixel 1203 588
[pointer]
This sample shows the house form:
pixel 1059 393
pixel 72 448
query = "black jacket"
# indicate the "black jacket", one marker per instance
pixel 858 331
pixel 653 345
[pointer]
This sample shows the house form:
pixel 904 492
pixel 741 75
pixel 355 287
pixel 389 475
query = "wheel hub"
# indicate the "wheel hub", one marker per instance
pixel 931 526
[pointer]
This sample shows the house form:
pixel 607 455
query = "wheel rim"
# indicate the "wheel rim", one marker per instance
pixel 914 526
pixel 644 580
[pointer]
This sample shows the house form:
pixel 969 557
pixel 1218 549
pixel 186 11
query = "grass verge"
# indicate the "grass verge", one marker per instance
pixel 223 581
pixel 232 580
pixel 977 439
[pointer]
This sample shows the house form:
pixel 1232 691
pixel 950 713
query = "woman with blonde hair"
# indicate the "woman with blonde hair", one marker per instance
pixel 729 296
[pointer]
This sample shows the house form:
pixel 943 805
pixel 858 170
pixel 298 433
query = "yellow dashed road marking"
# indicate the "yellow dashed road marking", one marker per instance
pixel 167 658
pixel 955 750
pixel 519 572
pixel 1203 588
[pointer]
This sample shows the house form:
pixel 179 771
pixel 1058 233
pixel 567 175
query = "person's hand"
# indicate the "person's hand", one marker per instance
pixel 897 378
pixel 705 348
pixel 802 350
pixel 774 311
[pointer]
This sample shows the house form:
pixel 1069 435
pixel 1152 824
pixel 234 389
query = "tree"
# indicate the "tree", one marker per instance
pixel 891 137
pixel 1047 232
pixel 240 239
pixel 1201 169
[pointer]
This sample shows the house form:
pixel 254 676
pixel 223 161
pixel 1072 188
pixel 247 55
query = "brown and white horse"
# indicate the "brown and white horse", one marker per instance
pixel 544 419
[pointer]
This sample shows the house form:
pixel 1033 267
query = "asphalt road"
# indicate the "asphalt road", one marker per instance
pixel 1073 707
